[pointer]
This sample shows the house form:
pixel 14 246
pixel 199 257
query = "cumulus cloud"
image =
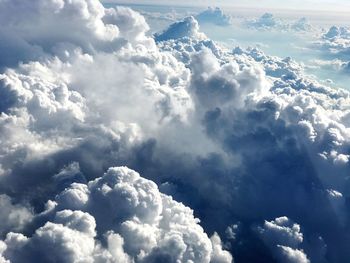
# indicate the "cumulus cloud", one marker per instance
pixel 269 22
pixel 283 237
pixel 187 28
pixel 293 255
pixel 337 32
pixel 336 42
pixel 241 137
pixel 214 16
pixel 33 27
pixel 215 84
pixel 265 128
pixel 68 239
pixel 334 45
pixel 14 217
pixel 302 25
pixel 124 211
pixel 281 231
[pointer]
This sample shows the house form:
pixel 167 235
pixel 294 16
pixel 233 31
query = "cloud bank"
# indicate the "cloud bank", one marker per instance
pixel 334 46
pixel 269 22
pixel 241 140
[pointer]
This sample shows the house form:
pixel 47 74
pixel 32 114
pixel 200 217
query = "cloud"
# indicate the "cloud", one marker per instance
pixel 265 21
pixel 283 237
pixel 214 16
pixel 337 32
pixel 241 137
pixel 187 28
pixel 293 255
pixel 302 25
pixel 334 64
pixel 214 84
pixel 334 46
pixel 32 27
pixel 281 231
pixel 14 217
pixel 269 22
pixel 335 42
pixel 128 212
pixel 69 238
pixel 277 129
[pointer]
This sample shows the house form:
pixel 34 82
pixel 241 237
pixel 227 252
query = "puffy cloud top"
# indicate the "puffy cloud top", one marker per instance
pixel 50 27
pixel 214 16
pixel 136 221
pixel 337 32
pixel 187 28
pixel 335 43
pixel 284 237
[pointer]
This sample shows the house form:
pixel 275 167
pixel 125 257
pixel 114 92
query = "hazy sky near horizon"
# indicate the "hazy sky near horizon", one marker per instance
pixel 335 5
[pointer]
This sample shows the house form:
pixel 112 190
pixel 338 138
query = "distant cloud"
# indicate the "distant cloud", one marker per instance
pixel 187 28
pixel 214 16
pixel 269 22
pixel 336 41
pixel 335 47
pixel 326 5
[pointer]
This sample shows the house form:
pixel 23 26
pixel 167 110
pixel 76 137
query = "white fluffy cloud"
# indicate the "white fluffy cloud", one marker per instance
pixel 32 29
pixel 335 42
pixel 238 136
pixel 214 16
pixel 187 28
pixel 136 221
pixel 273 129
pixel 57 104
pixel 283 237
pixel 333 46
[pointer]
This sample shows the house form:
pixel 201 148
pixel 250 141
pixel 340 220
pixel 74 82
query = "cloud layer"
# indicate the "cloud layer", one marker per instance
pixel 259 151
